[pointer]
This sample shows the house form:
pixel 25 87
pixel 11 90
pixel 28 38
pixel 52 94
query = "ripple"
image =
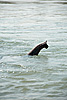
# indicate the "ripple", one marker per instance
pixel 6 2
pixel 41 77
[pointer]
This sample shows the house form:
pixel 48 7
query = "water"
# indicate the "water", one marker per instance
pixel 23 25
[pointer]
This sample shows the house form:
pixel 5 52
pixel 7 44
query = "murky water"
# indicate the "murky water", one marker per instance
pixel 23 25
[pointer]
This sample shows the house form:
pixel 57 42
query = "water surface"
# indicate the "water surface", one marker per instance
pixel 23 25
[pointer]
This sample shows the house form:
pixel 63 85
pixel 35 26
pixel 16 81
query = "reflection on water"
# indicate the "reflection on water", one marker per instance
pixel 23 25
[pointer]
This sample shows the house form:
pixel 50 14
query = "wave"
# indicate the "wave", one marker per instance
pixel 6 2
pixel 33 1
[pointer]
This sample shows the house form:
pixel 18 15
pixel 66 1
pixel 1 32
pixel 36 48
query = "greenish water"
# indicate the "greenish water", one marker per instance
pixel 23 25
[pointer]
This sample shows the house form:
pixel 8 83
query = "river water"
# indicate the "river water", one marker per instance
pixel 23 25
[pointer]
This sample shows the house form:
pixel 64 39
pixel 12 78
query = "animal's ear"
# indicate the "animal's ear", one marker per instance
pixel 46 41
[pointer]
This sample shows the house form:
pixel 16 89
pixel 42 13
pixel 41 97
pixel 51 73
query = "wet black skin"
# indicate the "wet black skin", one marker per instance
pixel 36 50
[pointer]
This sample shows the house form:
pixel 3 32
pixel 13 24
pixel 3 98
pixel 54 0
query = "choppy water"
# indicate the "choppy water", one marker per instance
pixel 23 25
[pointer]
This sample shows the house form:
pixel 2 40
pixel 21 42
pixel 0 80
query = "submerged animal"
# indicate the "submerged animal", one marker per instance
pixel 36 50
